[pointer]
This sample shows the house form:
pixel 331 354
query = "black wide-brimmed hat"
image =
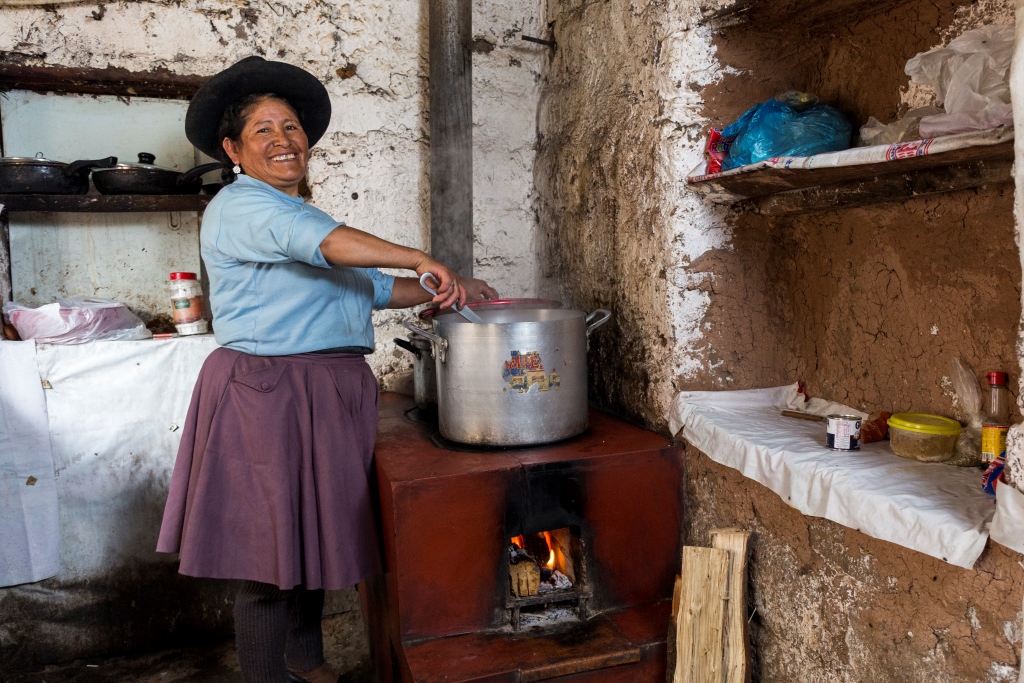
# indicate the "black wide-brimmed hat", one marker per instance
pixel 247 77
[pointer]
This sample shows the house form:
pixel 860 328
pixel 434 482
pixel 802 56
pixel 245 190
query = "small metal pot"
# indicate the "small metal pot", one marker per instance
pixel 424 373
pixel 28 175
pixel 518 378
pixel 145 178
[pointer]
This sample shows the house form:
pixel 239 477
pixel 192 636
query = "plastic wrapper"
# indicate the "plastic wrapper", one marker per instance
pixel 968 397
pixel 971 76
pixel 775 128
pixel 76 321
pixel 908 128
pixel 717 150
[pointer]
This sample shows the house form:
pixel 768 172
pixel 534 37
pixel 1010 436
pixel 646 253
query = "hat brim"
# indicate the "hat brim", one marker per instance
pixel 249 76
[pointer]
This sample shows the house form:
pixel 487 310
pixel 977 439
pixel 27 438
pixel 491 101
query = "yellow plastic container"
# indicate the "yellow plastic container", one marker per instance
pixel 920 436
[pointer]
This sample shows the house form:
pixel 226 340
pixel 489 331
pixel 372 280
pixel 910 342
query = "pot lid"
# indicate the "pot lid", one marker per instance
pixel 37 160
pixel 145 163
pixel 496 304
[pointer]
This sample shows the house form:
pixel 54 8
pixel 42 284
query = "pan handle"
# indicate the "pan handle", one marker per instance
pixel 76 167
pixel 439 342
pixel 597 318
pixel 407 345
pixel 193 173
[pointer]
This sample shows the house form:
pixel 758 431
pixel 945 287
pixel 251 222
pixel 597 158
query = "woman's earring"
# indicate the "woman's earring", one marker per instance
pixel 237 169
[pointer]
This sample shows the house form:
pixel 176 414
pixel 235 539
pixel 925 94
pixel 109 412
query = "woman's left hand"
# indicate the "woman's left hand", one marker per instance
pixel 478 290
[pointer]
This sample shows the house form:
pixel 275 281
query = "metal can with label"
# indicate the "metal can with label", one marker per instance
pixel 842 432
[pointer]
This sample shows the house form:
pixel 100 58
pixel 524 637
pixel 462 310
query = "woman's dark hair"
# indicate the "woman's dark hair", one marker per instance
pixel 234 118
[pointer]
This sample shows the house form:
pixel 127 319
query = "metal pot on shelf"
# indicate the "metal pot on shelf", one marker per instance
pixel 145 178
pixel 518 378
pixel 36 175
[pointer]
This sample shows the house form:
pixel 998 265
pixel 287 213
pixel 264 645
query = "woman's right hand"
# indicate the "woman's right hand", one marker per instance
pixel 449 289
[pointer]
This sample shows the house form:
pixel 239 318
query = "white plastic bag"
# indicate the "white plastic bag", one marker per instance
pixel 874 132
pixel 971 77
pixel 75 321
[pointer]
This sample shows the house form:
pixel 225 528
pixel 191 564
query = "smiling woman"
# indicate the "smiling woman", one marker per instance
pixel 272 480
pixel 263 136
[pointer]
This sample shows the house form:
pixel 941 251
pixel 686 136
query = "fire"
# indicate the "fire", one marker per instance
pixel 550 564
pixel 518 541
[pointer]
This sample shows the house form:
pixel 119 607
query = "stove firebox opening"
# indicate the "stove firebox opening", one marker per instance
pixel 546 579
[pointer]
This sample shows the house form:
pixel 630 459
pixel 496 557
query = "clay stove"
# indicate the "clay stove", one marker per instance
pixel 524 565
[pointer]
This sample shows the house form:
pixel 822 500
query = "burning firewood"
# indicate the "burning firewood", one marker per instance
pixel 524 573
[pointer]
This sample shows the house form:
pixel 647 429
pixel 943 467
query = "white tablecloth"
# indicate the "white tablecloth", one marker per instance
pixel 29 527
pixel 935 509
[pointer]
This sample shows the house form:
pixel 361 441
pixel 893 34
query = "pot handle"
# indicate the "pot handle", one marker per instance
pixel 193 173
pixel 407 345
pixel 76 167
pixel 597 318
pixel 439 342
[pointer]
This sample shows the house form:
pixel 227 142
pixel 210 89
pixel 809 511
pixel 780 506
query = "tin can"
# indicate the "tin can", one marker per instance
pixel 842 432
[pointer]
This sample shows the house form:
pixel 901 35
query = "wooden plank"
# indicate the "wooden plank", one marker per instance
pixel 889 188
pixel 734 542
pixel 769 181
pixel 451 134
pixel 15 74
pixel 110 203
pixel 701 618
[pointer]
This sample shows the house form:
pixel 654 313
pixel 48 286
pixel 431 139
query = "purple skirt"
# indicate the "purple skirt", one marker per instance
pixel 272 480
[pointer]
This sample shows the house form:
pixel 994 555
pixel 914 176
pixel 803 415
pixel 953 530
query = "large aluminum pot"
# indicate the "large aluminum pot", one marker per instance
pixel 517 379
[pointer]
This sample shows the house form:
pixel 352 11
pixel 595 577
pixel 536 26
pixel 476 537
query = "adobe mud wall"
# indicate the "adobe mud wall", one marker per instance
pixel 867 305
pixel 831 604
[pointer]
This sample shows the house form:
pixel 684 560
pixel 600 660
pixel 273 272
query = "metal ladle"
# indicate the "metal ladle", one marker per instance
pixel 466 312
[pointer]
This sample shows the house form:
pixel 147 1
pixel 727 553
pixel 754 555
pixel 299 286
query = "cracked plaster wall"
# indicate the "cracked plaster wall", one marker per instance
pixel 370 170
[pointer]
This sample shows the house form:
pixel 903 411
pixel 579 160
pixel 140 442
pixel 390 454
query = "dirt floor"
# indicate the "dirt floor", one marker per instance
pixel 345 646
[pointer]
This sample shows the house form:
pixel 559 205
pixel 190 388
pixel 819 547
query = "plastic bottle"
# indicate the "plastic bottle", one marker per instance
pixel 997 419
pixel 187 304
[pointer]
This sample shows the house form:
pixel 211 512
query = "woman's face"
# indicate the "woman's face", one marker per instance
pixel 272 147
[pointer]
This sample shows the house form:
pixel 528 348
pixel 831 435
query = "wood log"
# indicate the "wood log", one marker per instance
pixel 734 542
pixel 701 617
pixel 670 641
pixel 525 578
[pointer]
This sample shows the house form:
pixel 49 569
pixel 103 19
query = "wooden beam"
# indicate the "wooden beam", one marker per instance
pixel 889 188
pixel 451 134
pixel 17 75
pixel 105 203
pixel 734 542
pixel 701 620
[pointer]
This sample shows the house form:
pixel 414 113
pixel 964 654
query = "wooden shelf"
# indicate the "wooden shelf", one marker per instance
pixel 780 190
pixel 111 203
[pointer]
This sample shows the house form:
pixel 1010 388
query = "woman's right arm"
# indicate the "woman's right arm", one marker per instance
pixel 347 246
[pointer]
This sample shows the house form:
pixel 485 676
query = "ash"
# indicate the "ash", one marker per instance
pixel 549 617
pixel 557 582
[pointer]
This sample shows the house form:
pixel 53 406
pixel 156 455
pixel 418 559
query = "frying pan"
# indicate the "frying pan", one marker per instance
pixel 145 178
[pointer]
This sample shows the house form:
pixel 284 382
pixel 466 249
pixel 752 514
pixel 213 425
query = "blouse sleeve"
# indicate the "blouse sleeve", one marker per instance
pixel 382 286
pixel 259 229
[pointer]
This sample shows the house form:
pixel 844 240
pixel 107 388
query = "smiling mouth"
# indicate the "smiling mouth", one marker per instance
pixel 283 157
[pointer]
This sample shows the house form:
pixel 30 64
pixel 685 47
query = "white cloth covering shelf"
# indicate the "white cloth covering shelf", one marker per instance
pixel 935 509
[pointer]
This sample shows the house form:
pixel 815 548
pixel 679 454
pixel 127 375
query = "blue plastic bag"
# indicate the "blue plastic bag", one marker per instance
pixel 774 129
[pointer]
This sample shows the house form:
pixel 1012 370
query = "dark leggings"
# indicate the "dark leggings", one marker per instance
pixel 274 626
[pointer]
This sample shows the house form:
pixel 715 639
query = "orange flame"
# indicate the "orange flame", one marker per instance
pixel 550 564
pixel 518 541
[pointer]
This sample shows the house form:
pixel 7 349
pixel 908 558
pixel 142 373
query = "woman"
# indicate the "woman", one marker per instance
pixel 271 484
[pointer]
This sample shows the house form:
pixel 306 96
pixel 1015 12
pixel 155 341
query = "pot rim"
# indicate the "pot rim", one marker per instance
pixel 491 304
pixel 30 161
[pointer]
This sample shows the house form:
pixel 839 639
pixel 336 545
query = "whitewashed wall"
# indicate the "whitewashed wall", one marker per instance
pixel 371 169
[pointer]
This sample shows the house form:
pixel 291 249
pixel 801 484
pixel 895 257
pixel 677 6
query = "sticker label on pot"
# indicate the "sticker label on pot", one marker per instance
pixel 524 370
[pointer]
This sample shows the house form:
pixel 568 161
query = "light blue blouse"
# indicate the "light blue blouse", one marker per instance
pixel 271 291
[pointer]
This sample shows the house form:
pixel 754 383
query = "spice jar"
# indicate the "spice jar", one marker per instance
pixel 187 304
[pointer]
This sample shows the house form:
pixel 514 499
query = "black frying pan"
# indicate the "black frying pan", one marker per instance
pixel 28 175
pixel 145 178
